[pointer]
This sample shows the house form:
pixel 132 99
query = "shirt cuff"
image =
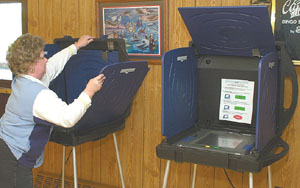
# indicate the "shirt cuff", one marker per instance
pixel 85 100
pixel 72 48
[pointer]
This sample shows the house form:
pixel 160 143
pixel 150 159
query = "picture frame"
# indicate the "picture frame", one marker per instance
pixel 260 1
pixel 285 19
pixel 140 24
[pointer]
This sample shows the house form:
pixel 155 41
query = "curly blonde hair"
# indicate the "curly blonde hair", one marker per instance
pixel 23 53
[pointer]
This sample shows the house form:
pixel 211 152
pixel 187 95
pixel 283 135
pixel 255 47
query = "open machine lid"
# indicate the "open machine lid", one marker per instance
pixel 239 31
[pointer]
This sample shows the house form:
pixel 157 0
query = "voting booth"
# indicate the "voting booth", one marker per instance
pixel 222 97
pixel 111 105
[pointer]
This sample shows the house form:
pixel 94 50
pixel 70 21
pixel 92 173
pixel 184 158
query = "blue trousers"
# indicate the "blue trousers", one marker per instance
pixel 12 173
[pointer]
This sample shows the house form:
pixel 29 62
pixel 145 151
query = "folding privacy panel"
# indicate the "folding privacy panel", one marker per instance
pixel 222 97
pixel 111 105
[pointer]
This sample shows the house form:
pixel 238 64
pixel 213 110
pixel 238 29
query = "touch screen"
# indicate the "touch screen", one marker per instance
pixel 225 141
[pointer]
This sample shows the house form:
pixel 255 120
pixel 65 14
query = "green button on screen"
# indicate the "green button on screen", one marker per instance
pixel 239 108
pixel 240 97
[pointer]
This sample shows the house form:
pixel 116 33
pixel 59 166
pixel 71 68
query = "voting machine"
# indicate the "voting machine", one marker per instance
pixel 112 104
pixel 222 97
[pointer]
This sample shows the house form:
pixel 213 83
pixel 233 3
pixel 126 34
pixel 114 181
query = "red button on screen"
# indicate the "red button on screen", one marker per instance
pixel 238 117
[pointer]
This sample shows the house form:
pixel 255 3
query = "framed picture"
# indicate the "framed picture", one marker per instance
pixel 260 1
pixel 138 23
pixel 286 24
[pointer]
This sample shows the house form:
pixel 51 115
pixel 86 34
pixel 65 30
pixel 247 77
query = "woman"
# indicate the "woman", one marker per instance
pixel 32 108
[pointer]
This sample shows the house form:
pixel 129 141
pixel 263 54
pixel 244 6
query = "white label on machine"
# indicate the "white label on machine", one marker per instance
pixel 236 101
pixel 126 71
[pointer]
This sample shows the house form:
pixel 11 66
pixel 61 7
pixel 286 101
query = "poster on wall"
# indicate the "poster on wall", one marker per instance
pixel 138 23
pixel 287 26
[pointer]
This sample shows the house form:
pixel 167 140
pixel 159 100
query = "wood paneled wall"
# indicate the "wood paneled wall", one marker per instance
pixel 96 161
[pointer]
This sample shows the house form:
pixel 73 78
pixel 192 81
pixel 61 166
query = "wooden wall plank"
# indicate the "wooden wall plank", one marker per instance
pixel 87 17
pixel 3 101
pixel 90 161
pixel 220 179
pixel 70 17
pixel 131 142
pixel 230 3
pixel 152 127
pixel 212 3
pixel 204 176
pixel 108 165
pixel 179 174
pixel 245 2
pixel 178 34
pixel 33 16
pixel 47 21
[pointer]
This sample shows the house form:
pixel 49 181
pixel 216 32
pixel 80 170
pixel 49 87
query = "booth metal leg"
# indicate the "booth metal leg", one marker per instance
pixel 63 168
pixel 166 174
pixel 269 177
pixel 250 180
pixel 194 175
pixel 74 168
pixel 119 161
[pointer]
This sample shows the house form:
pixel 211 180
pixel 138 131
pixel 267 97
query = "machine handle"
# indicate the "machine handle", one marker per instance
pixel 272 157
pixel 286 69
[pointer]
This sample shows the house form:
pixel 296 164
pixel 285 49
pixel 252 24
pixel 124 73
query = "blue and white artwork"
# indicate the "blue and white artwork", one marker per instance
pixel 139 26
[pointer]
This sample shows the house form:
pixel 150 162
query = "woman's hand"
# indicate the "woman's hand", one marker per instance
pixel 94 85
pixel 83 41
